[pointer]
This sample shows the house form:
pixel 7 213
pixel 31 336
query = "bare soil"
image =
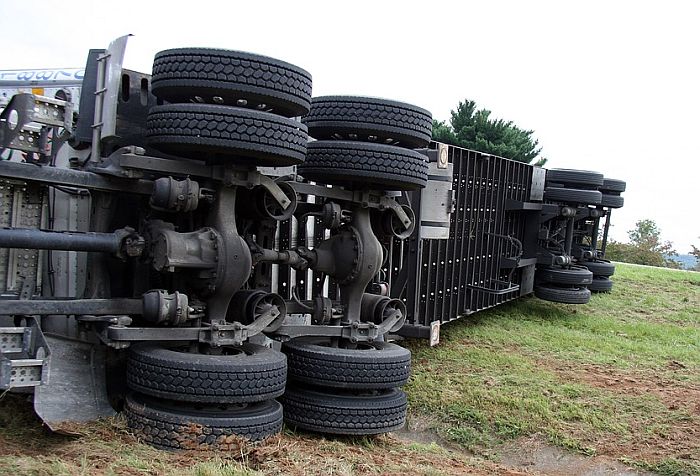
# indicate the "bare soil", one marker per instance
pixel 531 454
pixel 526 456
pixel 680 438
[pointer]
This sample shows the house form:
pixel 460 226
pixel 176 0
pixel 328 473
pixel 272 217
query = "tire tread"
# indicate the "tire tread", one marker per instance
pixel 205 131
pixel 410 125
pixel 210 379
pixel 364 165
pixel 327 413
pixel 180 73
pixel 163 429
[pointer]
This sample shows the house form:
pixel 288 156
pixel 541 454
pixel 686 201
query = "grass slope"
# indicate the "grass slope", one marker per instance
pixel 617 377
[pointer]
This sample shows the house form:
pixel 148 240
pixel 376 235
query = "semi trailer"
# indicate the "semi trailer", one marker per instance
pixel 214 251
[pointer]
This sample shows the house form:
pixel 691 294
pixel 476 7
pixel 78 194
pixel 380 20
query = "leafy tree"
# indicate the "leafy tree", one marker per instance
pixel 696 252
pixel 475 129
pixel 645 247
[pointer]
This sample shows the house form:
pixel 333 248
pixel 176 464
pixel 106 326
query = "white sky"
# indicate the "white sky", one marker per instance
pixel 612 86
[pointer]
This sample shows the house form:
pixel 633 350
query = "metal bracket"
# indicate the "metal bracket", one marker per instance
pixel 398 210
pixel 72 178
pixel 29 138
pixel 215 334
pixel 253 178
pixel 15 339
pixel 237 333
pixel 22 121
pixel 354 332
pixel 517 205
pixel 365 198
pixel 20 372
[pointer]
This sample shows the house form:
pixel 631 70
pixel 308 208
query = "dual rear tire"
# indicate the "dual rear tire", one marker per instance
pixel 366 143
pixel 189 400
pixel 564 285
pixel 228 107
pixel 340 389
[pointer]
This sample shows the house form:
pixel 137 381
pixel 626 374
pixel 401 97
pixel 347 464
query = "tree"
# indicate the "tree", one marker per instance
pixel 645 247
pixel 475 129
pixel 696 252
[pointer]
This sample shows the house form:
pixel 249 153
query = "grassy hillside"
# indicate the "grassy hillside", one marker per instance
pixel 619 377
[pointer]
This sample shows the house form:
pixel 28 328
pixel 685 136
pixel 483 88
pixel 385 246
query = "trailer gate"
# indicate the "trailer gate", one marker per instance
pixel 486 258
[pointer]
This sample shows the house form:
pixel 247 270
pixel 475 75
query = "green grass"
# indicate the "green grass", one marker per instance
pixel 106 447
pixel 618 377
pixel 651 319
pixel 525 368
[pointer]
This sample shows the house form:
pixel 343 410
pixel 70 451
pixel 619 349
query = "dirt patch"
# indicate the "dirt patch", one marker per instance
pixel 676 395
pixel 419 429
pixel 679 439
pixel 108 447
pixel 526 456
pixel 532 455
pixel 385 455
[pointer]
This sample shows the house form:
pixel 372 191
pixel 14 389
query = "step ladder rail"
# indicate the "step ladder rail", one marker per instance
pixel 24 354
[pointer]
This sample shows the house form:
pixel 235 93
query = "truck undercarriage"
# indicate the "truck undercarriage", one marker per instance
pixel 180 249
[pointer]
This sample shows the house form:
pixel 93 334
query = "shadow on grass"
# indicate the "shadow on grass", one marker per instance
pixel 21 430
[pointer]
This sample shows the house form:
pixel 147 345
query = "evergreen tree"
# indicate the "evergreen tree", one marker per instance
pixel 475 129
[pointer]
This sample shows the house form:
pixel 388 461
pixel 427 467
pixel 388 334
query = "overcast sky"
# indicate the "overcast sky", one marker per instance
pixel 612 86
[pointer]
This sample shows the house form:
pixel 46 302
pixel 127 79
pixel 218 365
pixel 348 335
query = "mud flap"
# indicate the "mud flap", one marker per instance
pixel 76 390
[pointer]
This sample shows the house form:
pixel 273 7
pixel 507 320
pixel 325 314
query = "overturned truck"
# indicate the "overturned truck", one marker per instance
pixel 193 245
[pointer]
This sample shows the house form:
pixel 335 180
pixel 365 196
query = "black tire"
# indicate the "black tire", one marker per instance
pixel 363 165
pixel 253 374
pixel 181 426
pixel 231 134
pixel 369 119
pixel 612 201
pixel 565 295
pixel 600 267
pixel 613 185
pixel 228 77
pixel 601 284
pixel 575 276
pixel 373 365
pixel 575 177
pixel 572 196
pixel 368 413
